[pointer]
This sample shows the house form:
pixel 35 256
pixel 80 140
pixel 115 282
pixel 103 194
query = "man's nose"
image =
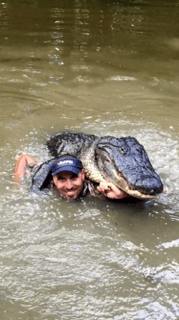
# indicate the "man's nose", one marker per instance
pixel 69 184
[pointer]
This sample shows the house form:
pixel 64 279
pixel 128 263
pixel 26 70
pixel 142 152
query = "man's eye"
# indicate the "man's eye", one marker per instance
pixel 74 177
pixel 60 178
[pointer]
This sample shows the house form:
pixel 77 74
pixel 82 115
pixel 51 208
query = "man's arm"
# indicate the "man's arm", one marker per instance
pixel 22 161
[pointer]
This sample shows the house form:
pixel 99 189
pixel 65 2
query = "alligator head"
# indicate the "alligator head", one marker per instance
pixel 124 162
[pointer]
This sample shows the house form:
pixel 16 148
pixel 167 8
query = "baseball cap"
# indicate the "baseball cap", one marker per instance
pixel 66 163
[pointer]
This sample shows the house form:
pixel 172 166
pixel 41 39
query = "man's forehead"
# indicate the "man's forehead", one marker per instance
pixel 66 174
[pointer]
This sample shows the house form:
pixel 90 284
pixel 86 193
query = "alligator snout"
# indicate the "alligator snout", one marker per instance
pixel 148 185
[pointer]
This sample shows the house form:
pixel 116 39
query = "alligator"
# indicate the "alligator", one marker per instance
pixel 121 161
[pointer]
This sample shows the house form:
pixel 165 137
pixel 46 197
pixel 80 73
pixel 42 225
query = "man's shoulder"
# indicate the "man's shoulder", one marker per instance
pixel 41 177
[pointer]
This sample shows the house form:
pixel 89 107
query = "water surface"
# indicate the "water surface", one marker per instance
pixel 100 67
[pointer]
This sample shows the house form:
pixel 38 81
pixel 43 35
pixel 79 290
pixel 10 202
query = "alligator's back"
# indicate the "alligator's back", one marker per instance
pixel 69 143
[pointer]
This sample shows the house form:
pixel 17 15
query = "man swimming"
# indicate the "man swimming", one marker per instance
pixel 66 175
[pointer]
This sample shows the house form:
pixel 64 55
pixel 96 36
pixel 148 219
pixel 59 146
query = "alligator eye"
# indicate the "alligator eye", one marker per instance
pixel 122 150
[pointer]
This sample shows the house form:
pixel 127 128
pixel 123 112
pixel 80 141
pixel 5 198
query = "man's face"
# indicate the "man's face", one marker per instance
pixel 68 184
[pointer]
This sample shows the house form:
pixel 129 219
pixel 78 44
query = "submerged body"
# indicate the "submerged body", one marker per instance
pixel 65 175
pixel 120 161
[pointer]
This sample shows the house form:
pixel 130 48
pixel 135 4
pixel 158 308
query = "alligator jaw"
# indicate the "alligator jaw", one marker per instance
pixel 122 184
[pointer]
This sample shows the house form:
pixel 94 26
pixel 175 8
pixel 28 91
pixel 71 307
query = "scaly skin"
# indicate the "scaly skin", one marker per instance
pixel 91 170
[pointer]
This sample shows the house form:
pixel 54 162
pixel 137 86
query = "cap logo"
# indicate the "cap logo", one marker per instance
pixel 65 162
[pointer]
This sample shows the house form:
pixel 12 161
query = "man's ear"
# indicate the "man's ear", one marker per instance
pixel 54 178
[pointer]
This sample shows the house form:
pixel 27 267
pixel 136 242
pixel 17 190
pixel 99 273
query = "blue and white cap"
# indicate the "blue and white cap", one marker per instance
pixel 66 163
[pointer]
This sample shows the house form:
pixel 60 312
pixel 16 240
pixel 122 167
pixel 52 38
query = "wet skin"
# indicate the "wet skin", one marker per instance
pixel 68 184
pixel 110 191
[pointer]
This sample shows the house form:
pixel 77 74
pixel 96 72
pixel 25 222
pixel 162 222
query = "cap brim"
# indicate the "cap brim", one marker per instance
pixel 67 168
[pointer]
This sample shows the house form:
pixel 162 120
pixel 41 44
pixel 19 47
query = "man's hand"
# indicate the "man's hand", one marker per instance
pixel 109 190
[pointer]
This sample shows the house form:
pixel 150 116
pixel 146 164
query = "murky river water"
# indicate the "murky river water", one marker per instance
pixel 101 67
